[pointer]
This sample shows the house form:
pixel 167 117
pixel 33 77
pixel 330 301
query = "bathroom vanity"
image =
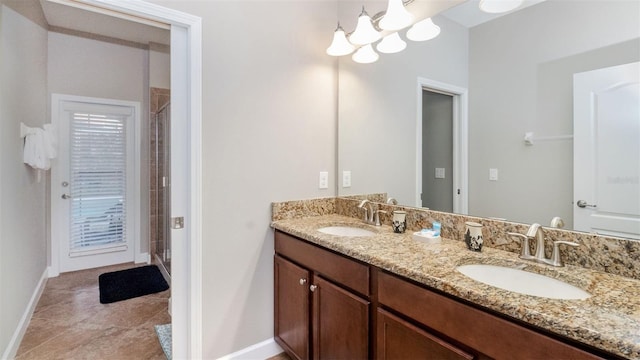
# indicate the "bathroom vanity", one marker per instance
pixel 387 296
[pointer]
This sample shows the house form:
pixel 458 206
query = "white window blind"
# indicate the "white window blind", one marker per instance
pixel 98 159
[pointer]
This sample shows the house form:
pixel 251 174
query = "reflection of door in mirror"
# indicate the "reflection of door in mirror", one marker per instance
pixel 607 151
pixel 441 151
pixel 437 151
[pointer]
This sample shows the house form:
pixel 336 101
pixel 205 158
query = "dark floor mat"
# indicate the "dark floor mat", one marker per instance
pixel 130 283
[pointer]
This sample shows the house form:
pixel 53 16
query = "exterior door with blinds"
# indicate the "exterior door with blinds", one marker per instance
pixel 93 186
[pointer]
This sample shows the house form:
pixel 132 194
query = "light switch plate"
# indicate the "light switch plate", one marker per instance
pixel 323 180
pixel 439 173
pixel 493 174
pixel 346 179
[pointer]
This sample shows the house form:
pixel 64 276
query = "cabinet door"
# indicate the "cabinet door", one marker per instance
pixel 340 323
pixel 398 339
pixel 291 308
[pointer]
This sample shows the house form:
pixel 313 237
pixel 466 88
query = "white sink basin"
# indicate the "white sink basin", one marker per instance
pixel 523 282
pixel 346 231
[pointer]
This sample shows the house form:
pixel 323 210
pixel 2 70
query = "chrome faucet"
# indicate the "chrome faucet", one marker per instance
pixel 368 211
pixel 536 232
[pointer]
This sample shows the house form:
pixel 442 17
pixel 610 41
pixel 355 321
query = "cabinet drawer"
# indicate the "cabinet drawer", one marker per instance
pixel 398 339
pixel 332 266
pixel 489 334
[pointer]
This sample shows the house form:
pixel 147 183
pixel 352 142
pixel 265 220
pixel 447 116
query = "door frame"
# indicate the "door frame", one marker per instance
pixel 460 140
pixel 186 99
pixel 57 101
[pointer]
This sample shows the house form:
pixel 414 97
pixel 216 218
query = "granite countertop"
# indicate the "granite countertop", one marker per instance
pixel 608 320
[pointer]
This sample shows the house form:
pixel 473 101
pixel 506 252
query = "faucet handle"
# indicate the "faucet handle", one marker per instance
pixel 524 252
pixel 377 212
pixel 556 260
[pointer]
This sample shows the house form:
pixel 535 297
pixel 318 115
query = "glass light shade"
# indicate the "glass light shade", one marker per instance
pixel 340 45
pixel 396 17
pixel 391 44
pixel 499 6
pixel 364 33
pixel 423 30
pixel 365 55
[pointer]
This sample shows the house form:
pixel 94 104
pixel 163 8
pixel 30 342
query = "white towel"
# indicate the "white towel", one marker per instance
pixel 40 147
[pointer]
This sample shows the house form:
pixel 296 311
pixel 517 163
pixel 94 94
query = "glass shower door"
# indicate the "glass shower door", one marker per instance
pixel 163 171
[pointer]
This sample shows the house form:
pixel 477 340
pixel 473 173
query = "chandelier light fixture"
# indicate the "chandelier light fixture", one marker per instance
pixel 396 17
pixel 340 45
pixel 423 30
pixel 365 55
pixel 391 44
pixel 365 33
pixel 369 30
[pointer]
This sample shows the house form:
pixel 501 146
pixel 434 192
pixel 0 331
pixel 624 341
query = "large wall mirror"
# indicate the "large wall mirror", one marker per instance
pixel 516 75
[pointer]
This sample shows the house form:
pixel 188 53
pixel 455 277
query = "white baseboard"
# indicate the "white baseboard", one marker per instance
pixel 52 272
pixel 142 258
pixel 18 334
pixel 262 350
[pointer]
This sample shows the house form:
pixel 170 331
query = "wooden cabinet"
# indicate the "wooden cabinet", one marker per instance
pixel 329 306
pixel 340 323
pixel 481 331
pixel 318 312
pixel 399 339
pixel 292 307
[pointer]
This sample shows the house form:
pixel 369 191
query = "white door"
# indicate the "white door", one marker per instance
pixel 93 184
pixel 606 151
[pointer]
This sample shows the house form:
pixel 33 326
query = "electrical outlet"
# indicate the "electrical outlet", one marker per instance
pixel 323 180
pixel 493 174
pixel 439 173
pixel 346 179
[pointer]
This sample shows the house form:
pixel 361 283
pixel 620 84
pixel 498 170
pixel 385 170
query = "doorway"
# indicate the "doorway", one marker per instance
pixel 437 151
pixel 441 147
pixel 186 199
pixel 95 213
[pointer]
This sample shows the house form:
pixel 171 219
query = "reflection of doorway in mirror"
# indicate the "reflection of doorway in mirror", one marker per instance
pixel 607 151
pixel 437 151
pixel 441 139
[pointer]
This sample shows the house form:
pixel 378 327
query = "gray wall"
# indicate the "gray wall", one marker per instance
pixel 269 128
pixel 23 66
pixel 521 69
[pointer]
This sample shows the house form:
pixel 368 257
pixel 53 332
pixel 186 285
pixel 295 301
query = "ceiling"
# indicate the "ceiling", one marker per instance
pixel 75 16
pixel 468 14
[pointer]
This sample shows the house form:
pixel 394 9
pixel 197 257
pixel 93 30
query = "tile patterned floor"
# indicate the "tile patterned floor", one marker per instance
pixel 70 323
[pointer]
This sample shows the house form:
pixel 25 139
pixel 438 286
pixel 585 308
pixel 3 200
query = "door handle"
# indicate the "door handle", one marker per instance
pixel 583 204
pixel 66 196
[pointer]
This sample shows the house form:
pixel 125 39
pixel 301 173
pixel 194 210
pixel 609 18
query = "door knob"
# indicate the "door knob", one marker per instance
pixel 303 281
pixel 313 288
pixel 66 196
pixel 583 204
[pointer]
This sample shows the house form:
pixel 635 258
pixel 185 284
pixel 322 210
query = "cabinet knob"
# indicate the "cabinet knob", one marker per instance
pixel 313 288
pixel 303 281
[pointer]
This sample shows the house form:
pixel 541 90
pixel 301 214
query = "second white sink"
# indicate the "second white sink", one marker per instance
pixel 523 282
pixel 346 231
